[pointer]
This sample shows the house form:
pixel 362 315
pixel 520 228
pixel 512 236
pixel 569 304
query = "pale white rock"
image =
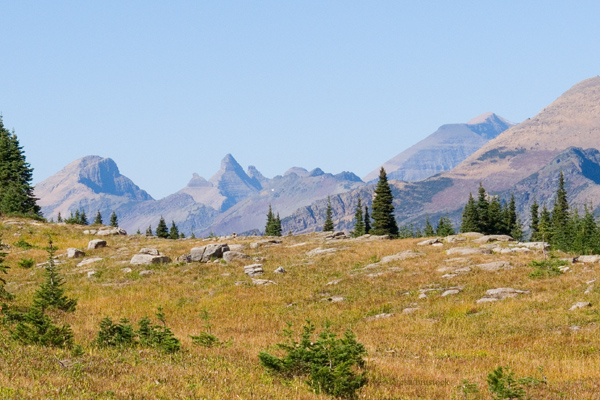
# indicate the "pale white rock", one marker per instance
pixel 589 289
pixel 88 261
pixel 96 244
pixel 501 294
pixel 587 259
pixel 466 251
pixel 462 270
pixel 146 273
pixel 336 236
pixel 410 310
pixel 147 259
pixel 320 251
pixel 152 252
pixel 450 292
pixel 90 274
pixel 535 245
pixel 111 232
pixel 237 247
pixel 253 270
pixel 437 245
pixel 449 276
pixel 422 296
pixel 280 270
pixel 126 270
pixel 455 239
pixel 231 256
pixel 494 266
pixel 429 242
pixel 262 282
pixel 90 232
pixel 471 235
pixel 334 282
pixel 493 238
pixel 335 299
pixel 580 304
pixel 379 316
pixel 184 259
pixel 205 253
pixel 72 252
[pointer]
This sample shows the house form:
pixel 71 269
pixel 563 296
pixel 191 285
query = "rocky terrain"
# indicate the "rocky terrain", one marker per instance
pixel 440 310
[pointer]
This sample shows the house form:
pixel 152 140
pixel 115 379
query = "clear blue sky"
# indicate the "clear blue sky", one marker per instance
pixel 168 88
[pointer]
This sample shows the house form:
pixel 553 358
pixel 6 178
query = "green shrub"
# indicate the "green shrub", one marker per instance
pixel 546 268
pixel 36 328
pixel 26 263
pixel 206 339
pixel 157 336
pixel 119 334
pixel 502 383
pixel 329 362
pixel 22 244
pixel 51 293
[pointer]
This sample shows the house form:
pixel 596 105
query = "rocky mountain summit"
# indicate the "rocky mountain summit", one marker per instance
pixel 444 149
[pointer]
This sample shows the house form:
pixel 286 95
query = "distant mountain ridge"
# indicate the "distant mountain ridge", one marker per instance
pixel 443 150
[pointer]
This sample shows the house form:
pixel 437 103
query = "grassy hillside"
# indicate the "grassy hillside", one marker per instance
pixel 424 354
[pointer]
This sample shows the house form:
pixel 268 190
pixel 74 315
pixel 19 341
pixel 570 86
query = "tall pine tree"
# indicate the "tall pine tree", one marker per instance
pixel 444 227
pixel 114 221
pixel 4 295
pixel 174 232
pixel 382 209
pixel 367 221
pixel 470 217
pixel 359 224
pixel 328 225
pixel 161 229
pixel 560 216
pixel 16 192
pixel 428 231
pixel 98 219
pixel 535 221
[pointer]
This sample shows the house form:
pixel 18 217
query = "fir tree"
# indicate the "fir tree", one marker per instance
pixel 181 235
pixel 149 231
pixel 161 229
pixel 560 216
pixel 174 232
pixel 98 219
pixel 382 208
pixel 16 192
pixel 367 221
pixel 545 225
pixel 428 231
pixel 470 217
pixel 277 225
pixel 192 235
pixel 535 221
pixel 270 229
pixel 59 218
pixel 83 218
pixel 138 232
pixel 510 216
pixel 359 224
pixel 495 220
pixel 444 227
pixel 51 294
pixel 516 231
pixel 328 225
pixel 482 211
pixel 114 222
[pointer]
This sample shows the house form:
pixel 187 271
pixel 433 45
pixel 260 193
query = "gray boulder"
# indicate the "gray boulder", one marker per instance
pixel 205 253
pixel 96 244
pixel 465 251
pixel 72 252
pixel 148 257
pixel 493 238
pixel 111 232
pixel 253 270
pixel 231 256
pixel 501 294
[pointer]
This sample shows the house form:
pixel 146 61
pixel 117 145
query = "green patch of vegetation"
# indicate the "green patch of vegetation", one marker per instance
pixel 22 244
pixel 546 268
pixel 502 384
pixel 500 153
pixel 206 339
pixel 328 362
pixel 26 263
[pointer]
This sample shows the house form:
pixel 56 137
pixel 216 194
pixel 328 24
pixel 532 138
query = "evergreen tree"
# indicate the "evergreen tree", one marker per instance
pixel 138 232
pixel 510 216
pixel 367 221
pixel 161 229
pixel 182 235
pixel 328 225
pixel 482 211
pixel 545 225
pixel 16 192
pixel 51 294
pixel 495 220
pixel 535 221
pixel 444 227
pixel 98 220
pixel 428 231
pixel 149 231
pixel 517 230
pixel 192 235
pixel 560 216
pixel 174 233
pixel 59 218
pixel 83 218
pixel 4 295
pixel 470 217
pixel 359 224
pixel 270 229
pixel 114 222
pixel 382 208
pixel 277 225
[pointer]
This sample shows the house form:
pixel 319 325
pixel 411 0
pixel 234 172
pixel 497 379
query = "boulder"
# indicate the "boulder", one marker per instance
pixel 320 251
pixel 262 282
pixel 231 256
pixel 493 238
pixel 96 244
pixel 587 259
pixel 429 242
pixel 72 252
pixel 280 270
pixel 237 247
pixel 253 270
pixel 146 272
pixel 205 253
pixel 501 294
pixel 88 261
pixel 535 245
pixel 494 266
pixel 471 235
pixel 580 304
pixel 455 239
pixel 151 252
pixel 466 251
pixel 111 232
pixel 450 292
pixel 184 259
pixel 148 259
pixel 336 235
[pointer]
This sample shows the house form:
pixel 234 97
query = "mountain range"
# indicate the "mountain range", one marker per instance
pixel 432 178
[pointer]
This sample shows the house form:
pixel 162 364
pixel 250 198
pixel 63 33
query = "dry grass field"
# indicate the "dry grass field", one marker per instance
pixel 424 354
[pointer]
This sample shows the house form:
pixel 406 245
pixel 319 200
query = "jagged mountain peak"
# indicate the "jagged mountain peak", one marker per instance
pixel 297 170
pixel 198 181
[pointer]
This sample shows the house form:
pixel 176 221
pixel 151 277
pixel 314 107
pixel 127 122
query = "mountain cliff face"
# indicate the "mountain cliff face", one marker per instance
pixel 92 183
pixel 442 150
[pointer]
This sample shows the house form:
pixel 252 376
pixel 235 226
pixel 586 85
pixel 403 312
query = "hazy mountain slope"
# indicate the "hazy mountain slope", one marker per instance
pixel 92 183
pixel 285 194
pixel 443 149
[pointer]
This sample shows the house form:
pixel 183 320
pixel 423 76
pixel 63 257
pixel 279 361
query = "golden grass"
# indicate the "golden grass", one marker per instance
pixel 422 355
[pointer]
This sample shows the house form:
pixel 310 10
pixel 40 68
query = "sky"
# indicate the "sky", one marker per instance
pixel 168 88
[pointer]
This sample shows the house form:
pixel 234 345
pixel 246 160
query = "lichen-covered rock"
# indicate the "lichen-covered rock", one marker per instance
pixel 111 231
pixel 96 244
pixel 253 270
pixel 72 252
pixel 208 252
pixel 231 256
pixel 148 259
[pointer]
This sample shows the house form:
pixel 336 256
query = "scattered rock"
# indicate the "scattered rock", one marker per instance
pixel 336 236
pixel 429 242
pixel 493 238
pixel 89 261
pixel 335 299
pixel 237 247
pixel 471 235
pixel 150 252
pixel 205 253
pixel 72 252
pixel 466 251
pixel 320 251
pixel 564 268
pixel 535 245
pixel 280 270
pixel 149 256
pixel 334 282
pixel 184 259
pixel 379 316
pixel 126 270
pixel 589 289
pixel 90 274
pixel 494 266
pixel 449 276
pixel 455 239
pixel 266 242
pixel 262 282
pixel 253 270
pixel 146 272
pixel 501 294
pixel 580 304
pixel 587 259
pixel 111 231
pixel 410 310
pixel 450 292
pixel 96 244
pixel 231 256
